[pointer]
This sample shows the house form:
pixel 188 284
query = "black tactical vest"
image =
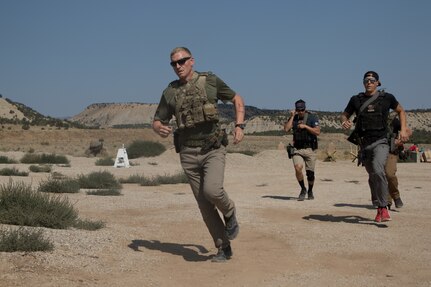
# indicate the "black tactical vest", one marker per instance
pixel 301 137
pixel 372 117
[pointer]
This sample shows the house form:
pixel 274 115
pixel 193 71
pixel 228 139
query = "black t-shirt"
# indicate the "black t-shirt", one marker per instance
pixel 385 100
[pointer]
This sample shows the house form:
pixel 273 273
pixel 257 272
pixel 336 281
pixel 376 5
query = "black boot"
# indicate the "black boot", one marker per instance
pixel 223 254
pixel 301 196
pixel 310 195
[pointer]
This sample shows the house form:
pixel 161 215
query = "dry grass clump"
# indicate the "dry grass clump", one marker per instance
pixel 40 168
pixel 140 148
pixel 156 180
pixel 23 239
pixel 44 158
pixel 56 185
pixel 7 160
pixel 12 172
pixel 98 180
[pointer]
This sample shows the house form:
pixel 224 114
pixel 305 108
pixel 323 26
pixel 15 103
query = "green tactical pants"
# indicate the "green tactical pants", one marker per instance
pixel 205 173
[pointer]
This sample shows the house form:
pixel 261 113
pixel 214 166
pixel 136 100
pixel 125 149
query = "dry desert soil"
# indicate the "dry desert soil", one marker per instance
pixel 155 236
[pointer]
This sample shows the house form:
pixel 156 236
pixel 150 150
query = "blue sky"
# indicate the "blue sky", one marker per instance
pixel 59 56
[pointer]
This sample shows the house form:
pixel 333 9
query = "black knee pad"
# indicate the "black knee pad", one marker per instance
pixel 310 175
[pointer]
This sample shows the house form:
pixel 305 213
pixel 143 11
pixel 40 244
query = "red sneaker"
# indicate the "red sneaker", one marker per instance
pixel 379 215
pixel 385 214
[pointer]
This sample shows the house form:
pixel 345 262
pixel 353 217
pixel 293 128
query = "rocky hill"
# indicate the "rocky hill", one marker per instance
pixel 106 115
pixel 116 115
pixel 19 114
pixel 258 120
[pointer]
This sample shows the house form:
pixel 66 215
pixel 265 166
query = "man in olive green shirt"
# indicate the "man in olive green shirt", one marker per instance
pixel 201 143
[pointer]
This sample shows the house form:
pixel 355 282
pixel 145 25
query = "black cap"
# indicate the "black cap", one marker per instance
pixel 374 75
pixel 300 105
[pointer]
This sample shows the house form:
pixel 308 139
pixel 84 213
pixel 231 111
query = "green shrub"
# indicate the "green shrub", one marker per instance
pixel 44 158
pixel 141 148
pixel 54 185
pixel 24 239
pixel 107 161
pixel 12 172
pixel 5 159
pixel 100 179
pixel 21 205
pixel 40 168
pixel 105 192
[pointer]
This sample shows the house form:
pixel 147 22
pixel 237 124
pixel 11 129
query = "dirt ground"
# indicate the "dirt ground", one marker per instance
pixel 155 236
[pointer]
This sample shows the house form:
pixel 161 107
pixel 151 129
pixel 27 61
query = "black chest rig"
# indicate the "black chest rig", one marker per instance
pixel 193 106
pixel 372 117
pixel 301 137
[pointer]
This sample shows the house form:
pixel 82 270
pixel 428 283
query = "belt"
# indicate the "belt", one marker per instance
pixel 193 143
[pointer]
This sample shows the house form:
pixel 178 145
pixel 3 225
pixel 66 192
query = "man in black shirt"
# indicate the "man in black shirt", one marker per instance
pixel 372 109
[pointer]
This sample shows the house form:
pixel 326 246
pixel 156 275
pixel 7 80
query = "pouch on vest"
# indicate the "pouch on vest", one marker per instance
pixel 215 141
pixel 210 112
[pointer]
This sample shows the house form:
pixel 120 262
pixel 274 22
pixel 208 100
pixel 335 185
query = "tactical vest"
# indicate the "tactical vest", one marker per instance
pixel 371 118
pixel 302 138
pixel 193 106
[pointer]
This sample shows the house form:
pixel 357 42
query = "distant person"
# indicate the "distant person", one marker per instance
pixel 414 148
pixel 391 164
pixel 201 143
pixel 305 126
pixel 372 109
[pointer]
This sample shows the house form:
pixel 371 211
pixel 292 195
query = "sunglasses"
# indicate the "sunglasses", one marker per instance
pixel 180 61
pixel 300 110
pixel 371 80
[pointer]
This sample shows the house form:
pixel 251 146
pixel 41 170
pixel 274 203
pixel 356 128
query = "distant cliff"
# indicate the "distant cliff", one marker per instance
pixel 258 120
pixel 105 115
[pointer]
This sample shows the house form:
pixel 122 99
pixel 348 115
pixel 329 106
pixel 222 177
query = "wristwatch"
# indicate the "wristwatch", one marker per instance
pixel 241 126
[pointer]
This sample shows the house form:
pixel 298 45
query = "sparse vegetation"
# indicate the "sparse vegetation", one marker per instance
pixel 21 205
pixel 65 185
pixel 135 178
pixel 12 172
pixel 5 159
pixel 23 239
pixel 98 180
pixel 107 161
pixel 40 168
pixel 44 158
pixel 156 180
pixel 141 148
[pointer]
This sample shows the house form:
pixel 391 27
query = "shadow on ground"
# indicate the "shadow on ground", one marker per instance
pixel 187 251
pixel 280 197
pixel 345 218
pixel 366 206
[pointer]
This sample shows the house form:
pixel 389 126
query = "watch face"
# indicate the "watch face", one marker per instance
pixel 242 126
